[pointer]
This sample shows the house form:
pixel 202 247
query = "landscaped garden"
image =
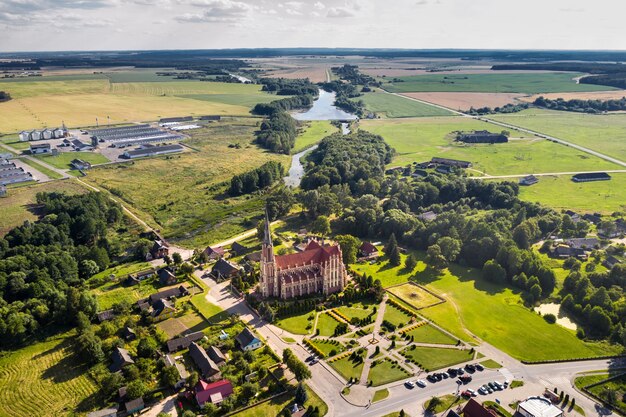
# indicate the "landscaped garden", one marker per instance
pixel 384 371
pixel 430 334
pixel 326 325
pixel 328 347
pixel 430 359
pixel 396 316
pixel 297 324
pixel 348 367
pixel 413 295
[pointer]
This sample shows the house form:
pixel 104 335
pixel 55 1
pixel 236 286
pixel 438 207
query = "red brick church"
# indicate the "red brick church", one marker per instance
pixel 318 269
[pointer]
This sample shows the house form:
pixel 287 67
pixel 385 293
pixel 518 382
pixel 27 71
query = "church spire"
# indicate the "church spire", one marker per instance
pixel 267 237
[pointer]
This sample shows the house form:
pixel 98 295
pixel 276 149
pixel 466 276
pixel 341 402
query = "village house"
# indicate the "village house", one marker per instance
pixel 368 251
pixel 214 253
pixel 213 393
pixel 120 358
pixel 159 250
pixel 474 409
pixel 166 277
pixel 134 406
pixel 528 180
pixel 429 216
pixel 129 334
pixel 170 293
pixel 216 356
pixel 247 340
pixel 610 262
pixel 105 412
pixel 208 369
pixel 183 342
pixel 180 368
pixel 583 243
pixel 238 249
pixel 105 315
pixel 224 270
pixel 162 309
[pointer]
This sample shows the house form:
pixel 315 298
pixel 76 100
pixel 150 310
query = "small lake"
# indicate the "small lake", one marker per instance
pixel 561 318
pixel 324 109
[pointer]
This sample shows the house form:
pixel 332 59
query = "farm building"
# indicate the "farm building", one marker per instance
pixel 80 165
pixel 594 218
pixel 595 176
pixel 445 169
pixel 528 180
pixel 15 179
pixel 482 136
pixel 121 137
pixel 46 133
pixel 563 252
pixel 583 243
pixel 451 162
pixel 106 315
pixel 208 369
pixel 247 340
pixel 141 275
pixel 134 406
pixel 211 118
pixel 149 150
pixel 167 294
pixel 11 172
pixel 214 393
pixel 216 356
pixel 610 262
pixel 40 149
pixel 183 342
pixel 538 407
pixel 80 146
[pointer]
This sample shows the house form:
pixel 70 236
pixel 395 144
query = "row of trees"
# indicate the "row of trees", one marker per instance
pixel 507 108
pixel 583 106
pixel 257 179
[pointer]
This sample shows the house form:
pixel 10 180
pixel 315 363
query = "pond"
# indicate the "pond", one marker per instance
pixel 561 318
pixel 324 109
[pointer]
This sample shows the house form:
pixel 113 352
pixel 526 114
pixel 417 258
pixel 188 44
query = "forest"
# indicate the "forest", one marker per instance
pixel 257 179
pixel 278 133
pixel 43 265
pixel 582 106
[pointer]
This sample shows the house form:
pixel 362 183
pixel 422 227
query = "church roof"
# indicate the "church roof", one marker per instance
pixel 313 254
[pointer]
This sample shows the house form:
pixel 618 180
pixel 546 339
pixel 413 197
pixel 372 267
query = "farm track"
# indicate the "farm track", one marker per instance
pixel 520 129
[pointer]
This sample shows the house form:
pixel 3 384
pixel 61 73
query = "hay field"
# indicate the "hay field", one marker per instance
pixel 419 139
pixel 393 106
pixel 78 102
pixel 45 379
pixel 463 101
pixel 493 83
pixel 314 73
pixel 183 195
pixel 604 133
pixel 18 206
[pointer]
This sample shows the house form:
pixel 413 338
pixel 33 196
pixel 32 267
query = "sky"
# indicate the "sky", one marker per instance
pixel 62 25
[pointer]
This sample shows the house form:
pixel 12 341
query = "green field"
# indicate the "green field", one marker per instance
pixel 275 406
pixel 414 295
pixel 384 371
pixel 605 133
pixel 326 324
pixel 390 105
pixel 328 346
pixel 430 334
pixel 420 139
pixel 560 192
pixel 44 170
pixel 436 358
pixel 113 292
pixel 386 273
pixel 395 316
pixel 19 205
pixel 296 324
pixel 185 195
pixel 45 379
pixel 530 83
pixel 358 310
pixel 212 313
pixel 63 159
pixel 347 368
pixel 78 99
pixel 618 386
pixel 312 132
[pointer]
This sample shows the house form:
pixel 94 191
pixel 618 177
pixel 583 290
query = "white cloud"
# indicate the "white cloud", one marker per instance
pixel 339 12
pixel 216 11
pixel 319 5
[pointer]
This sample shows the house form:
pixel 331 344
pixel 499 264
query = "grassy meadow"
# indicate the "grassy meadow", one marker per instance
pixel 45 379
pixel 63 159
pixel 530 83
pixel 184 195
pixel 560 192
pixel 436 358
pixel 419 139
pixel 78 100
pixel 385 371
pixel 605 133
pixel 312 132
pixel 19 205
pixel 430 334
pixel 393 106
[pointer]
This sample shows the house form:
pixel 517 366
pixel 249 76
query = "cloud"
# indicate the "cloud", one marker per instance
pixel 21 6
pixel 339 12
pixel 319 5
pixel 421 2
pixel 216 11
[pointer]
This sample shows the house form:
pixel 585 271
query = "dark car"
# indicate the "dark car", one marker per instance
pixel 460 371
pixel 479 367
pixel 310 358
pixel 466 379
pixel 470 368
pixel 452 372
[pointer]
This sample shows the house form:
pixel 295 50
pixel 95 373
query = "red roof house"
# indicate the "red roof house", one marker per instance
pixel 213 393
pixel 367 250
pixel 474 409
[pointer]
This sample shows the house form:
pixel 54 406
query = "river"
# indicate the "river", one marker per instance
pixel 240 78
pixel 324 109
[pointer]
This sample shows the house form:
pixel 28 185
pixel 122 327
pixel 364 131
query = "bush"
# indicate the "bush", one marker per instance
pixel 550 318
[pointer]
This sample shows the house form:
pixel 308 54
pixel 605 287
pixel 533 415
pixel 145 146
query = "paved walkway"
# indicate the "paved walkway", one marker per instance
pixel 371 347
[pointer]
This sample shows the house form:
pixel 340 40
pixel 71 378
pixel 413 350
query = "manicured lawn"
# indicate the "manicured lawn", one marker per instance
pixel 274 407
pixel 391 105
pixel 605 133
pixel 380 395
pixel 437 358
pixel 46 378
pixel 210 312
pixel 446 402
pixel 385 372
pixel 430 334
pixel 585 380
pixel 63 159
pixel 297 324
pixel 491 364
pixel 44 170
pixel 414 295
pixel 312 132
pixel 420 139
pixel 358 310
pixel 386 273
pixel 327 346
pixel 395 316
pixel 326 324
pixel 560 192
pixel 185 195
pixel 18 206
pixel 495 82
pixel 347 368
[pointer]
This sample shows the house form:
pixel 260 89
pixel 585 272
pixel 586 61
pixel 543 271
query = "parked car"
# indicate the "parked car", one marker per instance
pixel 479 367
pixel 482 391
pixel 466 379
pixel 420 383
pixel 452 372
pixel 466 394
pixel 471 391
pixel 314 361
pixel 470 368
pixel 460 371
pixel 409 384
pixel 310 358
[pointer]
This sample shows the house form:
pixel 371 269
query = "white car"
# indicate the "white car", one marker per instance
pixel 420 383
pixel 409 384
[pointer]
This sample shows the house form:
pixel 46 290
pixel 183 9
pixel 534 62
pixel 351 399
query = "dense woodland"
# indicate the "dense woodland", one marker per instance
pixel 257 179
pixel 583 106
pixel 278 133
pixel 479 224
pixel 44 264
